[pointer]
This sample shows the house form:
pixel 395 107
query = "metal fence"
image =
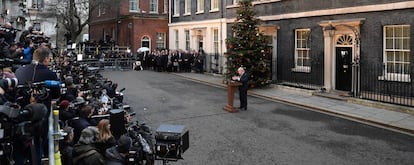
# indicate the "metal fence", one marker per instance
pixel 214 63
pixel 311 77
pixel 377 85
pixel 372 83
pixel 110 63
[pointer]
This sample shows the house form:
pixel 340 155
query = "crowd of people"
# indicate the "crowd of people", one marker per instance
pixel 23 47
pixel 172 60
pixel 88 140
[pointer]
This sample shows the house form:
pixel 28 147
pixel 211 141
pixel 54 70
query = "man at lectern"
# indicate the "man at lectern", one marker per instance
pixel 242 77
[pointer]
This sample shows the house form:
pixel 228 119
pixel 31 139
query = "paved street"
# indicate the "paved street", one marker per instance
pixel 267 133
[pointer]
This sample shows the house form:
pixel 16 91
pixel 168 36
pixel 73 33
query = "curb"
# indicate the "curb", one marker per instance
pixel 340 115
pixel 351 117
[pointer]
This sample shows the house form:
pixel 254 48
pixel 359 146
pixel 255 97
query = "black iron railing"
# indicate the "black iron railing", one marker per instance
pixel 379 85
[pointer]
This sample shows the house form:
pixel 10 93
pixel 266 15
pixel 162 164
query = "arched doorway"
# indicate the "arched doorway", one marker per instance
pixel 343 62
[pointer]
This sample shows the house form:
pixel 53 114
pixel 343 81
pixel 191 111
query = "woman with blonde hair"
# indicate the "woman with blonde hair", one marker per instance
pixel 105 138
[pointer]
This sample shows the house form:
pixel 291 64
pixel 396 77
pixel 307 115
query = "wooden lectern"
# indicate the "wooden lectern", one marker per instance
pixel 231 87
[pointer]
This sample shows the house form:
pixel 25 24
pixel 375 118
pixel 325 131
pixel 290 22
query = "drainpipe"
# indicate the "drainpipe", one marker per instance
pixel 169 22
pixel 169 11
pixel 220 67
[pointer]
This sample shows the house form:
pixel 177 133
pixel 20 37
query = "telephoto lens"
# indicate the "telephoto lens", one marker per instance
pixel 8 83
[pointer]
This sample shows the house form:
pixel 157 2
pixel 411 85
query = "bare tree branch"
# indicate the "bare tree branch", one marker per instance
pixel 73 15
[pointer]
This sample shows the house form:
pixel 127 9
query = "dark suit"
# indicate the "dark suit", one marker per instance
pixel 244 79
pixel 38 73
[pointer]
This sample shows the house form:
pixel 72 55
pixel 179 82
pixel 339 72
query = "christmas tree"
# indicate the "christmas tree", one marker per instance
pixel 248 48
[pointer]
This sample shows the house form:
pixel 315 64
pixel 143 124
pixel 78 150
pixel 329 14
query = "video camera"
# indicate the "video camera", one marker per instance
pixel 17 122
pixel 8 62
pixel 13 30
pixel 171 142
pixel 19 125
pixel 37 90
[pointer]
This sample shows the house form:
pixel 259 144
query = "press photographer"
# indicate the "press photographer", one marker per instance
pixel 7 45
pixel 8 32
pixel 36 72
pixel 33 36
pixel 20 137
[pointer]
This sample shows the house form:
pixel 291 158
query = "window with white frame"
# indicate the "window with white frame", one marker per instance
pixel 134 5
pixel 200 6
pixel 101 10
pixel 187 39
pixel 187 7
pixel 177 37
pixel 216 40
pixel 160 40
pixel 302 50
pixel 153 6
pixel 176 7
pixel 397 53
pixel 214 5
pixel 165 6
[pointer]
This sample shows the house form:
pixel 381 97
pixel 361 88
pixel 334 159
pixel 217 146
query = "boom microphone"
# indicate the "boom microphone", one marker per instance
pixel 46 83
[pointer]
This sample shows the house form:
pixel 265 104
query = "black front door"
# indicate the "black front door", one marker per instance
pixel 344 68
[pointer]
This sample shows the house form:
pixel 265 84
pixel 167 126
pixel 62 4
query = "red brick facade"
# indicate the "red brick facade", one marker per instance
pixel 129 28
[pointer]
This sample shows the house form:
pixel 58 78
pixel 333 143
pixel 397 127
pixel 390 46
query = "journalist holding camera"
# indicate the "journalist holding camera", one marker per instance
pixel 37 71
pixel 7 36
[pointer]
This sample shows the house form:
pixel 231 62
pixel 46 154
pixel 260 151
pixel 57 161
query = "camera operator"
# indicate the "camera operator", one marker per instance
pixel 84 121
pixel 14 51
pixel 9 33
pixel 23 37
pixel 117 155
pixel 65 111
pixel 28 49
pixel 38 71
pixel 71 91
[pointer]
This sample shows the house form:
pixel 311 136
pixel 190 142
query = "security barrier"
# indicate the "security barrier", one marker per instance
pixel 110 63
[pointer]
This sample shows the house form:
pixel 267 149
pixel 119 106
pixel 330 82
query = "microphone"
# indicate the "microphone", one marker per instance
pixel 46 83
pixel 52 83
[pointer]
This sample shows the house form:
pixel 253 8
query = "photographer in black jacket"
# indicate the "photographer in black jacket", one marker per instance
pixel 38 71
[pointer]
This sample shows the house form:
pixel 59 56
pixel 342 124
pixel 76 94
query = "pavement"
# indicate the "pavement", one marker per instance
pixel 387 116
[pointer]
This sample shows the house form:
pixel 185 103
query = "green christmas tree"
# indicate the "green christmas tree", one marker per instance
pixel 248 47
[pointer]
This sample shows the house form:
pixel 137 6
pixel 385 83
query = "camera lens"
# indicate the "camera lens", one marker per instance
pixel 8 82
